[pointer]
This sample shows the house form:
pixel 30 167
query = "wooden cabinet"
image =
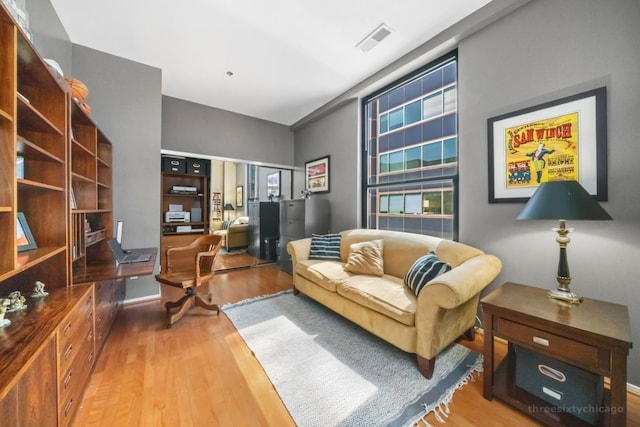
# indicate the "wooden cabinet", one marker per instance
pixel 76 355
pixel 183 195
pixel 45 357
pixel 592 336
pixel 55 170
pixel 300 218
pixel 90 191
pixel 109 297
pixel 33 111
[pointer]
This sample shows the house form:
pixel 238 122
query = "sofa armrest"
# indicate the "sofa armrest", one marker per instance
pixel 238 228
pixel 299 250
pixel 460 284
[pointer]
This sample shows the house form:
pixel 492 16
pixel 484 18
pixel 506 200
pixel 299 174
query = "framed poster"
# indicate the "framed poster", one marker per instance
pixel 565 139
pixel 25 240
pixel 317 175
pixel 273 184
pixel 239 196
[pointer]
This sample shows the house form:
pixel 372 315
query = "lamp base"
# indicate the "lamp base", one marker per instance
pixel 563 295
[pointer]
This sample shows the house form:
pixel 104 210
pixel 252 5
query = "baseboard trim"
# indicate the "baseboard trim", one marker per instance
pixel 141 299
pixel 633 389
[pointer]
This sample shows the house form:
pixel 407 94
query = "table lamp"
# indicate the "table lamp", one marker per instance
pixel 228 207
pixel 562 200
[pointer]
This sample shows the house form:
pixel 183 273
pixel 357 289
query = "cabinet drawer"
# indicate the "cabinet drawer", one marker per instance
pixel 293 228
pixel 574 352
pixel 293 210
pixel 76 323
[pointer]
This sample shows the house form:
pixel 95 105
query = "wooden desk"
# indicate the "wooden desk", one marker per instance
pixel 110 270
pixel 593 335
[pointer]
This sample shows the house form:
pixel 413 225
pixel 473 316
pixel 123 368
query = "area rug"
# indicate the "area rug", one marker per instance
pixel 330 372
pixel 237 251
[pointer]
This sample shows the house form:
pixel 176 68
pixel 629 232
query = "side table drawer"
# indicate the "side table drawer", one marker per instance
pixel 575 352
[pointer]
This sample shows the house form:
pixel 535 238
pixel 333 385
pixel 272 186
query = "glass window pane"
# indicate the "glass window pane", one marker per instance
pixel 432 106
pixel 412 158
pixel 396 161
pixel 431 202
pixel 384 204
pixel 412 203
pixel 413 112
pixel 450 150
pixel 432 154
pixel 384 163
pixel 396 203
pixel 450 99
pixel 447 200
pixel 384 123
pixel 396 118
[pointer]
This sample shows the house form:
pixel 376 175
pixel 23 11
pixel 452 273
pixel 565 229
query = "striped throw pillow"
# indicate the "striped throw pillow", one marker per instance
pixel 325 246
pixel 425 269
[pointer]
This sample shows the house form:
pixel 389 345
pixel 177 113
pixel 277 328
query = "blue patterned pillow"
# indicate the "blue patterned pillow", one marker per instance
pixel 325 246
pixel 425 269
pixel 227 224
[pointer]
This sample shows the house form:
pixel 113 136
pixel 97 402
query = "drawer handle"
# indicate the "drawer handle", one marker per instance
pixel 68 352
pixel 66 329
pixel 89 299
pixel 90 360
pixel 90 317
pixel 67 407
pixel 553 393
pixel 541 341
pixel 554 374
pixel 67 380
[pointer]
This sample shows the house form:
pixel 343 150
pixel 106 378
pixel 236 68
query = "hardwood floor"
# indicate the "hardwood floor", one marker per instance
pixel 200 372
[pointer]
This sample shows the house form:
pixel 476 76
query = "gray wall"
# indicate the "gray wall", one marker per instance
pixel 542 51
pixel 126 102
pixel 195 128
pixel 336 134
pixel 49 36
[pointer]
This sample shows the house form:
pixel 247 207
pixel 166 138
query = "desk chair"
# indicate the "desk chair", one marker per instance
pixel 189 267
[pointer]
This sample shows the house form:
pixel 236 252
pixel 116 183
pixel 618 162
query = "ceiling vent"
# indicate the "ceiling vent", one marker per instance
pixel 374 38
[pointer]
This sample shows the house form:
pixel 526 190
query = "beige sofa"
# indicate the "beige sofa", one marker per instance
pixel 444 310
pixel 237 235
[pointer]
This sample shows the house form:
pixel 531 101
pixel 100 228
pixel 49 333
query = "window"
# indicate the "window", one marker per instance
pixel 410 153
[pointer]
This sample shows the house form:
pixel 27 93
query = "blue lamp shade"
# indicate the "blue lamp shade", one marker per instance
pixel 563 200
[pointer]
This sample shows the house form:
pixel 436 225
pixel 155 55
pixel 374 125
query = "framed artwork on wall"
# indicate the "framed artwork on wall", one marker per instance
pixel 317 175
pixel 25 240
pixel 239 196
pixel 564 139
pixel 273 184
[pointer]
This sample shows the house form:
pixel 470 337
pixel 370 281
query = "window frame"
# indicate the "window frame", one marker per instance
pixel 447 196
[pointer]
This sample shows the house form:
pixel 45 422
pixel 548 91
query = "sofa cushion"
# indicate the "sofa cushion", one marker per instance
pixel 324 273
pixel 386 295
pixel 366 258
pixel 325 246
pixel 425 269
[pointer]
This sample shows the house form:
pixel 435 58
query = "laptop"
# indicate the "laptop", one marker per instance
pixel 124 258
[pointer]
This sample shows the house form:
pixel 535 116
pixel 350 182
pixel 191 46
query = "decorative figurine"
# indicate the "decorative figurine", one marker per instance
pixel 38 290
pixel 4 303
pixel 16 302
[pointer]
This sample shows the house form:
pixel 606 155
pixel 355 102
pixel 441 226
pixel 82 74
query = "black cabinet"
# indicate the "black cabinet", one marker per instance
pixel 264 229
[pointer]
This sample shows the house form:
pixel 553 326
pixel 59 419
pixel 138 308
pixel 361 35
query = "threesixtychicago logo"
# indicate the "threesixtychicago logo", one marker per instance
pixel 576 409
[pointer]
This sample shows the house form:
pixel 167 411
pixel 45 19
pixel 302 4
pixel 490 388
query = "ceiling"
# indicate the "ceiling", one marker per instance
pixel 288 57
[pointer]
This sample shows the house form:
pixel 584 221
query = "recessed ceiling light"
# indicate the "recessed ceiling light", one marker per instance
pixel 375 37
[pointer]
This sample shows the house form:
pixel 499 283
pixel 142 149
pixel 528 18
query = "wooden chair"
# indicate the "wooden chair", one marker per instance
pixel 189 267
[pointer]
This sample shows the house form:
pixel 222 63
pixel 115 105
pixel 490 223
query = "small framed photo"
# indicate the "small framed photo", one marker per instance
pixel 317 175
pixel 273 184
pixel 239 196
pixel 25 240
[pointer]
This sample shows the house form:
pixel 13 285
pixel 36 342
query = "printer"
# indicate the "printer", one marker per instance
pixel 174 216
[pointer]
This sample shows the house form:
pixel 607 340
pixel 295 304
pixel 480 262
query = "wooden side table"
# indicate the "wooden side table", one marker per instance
pixel 594 335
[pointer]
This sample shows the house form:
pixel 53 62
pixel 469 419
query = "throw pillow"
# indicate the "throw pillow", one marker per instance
pixel 425 269
pixel 365 258
pixel 227 224
pixel 325 246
